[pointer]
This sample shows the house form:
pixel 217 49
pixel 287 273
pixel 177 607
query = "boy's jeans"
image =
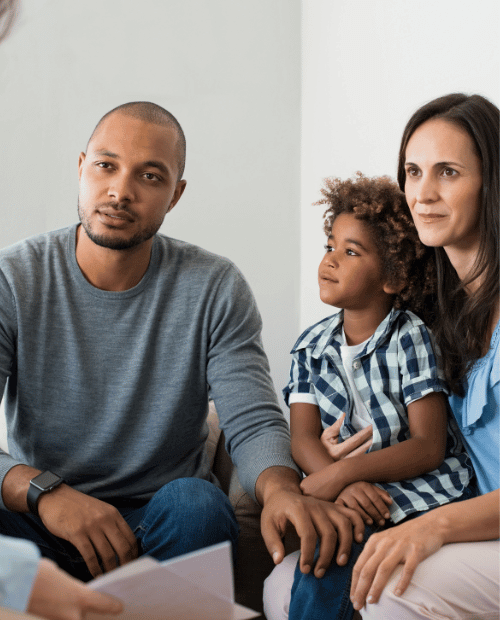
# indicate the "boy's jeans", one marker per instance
pixel 185 515
pixel 328 598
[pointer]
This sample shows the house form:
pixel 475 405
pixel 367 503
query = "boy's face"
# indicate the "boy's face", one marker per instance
pixel 350 274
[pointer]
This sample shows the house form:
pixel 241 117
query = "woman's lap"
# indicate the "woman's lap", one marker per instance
pixel 460 581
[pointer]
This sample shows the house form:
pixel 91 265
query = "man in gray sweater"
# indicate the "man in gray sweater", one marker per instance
pixel 111 338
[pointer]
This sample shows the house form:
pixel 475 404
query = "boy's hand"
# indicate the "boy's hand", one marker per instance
pixel 357 444
pixel 327 483
pixel 368 500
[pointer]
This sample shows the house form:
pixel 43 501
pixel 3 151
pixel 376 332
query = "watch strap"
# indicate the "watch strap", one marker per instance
pixel 34 494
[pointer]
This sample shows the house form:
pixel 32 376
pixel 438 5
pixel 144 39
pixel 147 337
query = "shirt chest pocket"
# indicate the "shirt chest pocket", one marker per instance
pixel 332 396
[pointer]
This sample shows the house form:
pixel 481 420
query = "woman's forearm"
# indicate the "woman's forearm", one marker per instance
pixel 471 520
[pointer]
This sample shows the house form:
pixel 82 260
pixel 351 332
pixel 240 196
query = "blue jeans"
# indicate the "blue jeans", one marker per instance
pixel 328 598
pixel 184 515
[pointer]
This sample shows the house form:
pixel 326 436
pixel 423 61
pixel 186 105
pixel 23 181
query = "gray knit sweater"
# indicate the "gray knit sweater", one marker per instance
pixel 110 389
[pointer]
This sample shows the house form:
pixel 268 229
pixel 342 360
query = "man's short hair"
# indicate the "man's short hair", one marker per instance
pixel 152 113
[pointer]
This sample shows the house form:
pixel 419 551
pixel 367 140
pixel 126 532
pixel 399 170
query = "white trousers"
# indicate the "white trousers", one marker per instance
pixel 459 582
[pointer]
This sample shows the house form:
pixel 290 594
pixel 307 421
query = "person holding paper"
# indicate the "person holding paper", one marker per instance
pixel 111 337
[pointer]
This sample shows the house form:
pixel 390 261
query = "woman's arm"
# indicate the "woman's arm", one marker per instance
pixel 422 452
pixel 413 541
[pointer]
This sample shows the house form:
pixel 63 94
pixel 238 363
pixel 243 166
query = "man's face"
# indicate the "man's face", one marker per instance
pixel 128 181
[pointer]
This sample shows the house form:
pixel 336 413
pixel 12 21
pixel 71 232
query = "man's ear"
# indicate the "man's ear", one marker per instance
pixel 81 159
pixel 179 190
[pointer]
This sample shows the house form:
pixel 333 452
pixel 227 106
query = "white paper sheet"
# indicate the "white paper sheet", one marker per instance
pixel 195 586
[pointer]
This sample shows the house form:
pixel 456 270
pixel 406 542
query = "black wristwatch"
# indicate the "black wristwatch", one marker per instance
pixel 43 483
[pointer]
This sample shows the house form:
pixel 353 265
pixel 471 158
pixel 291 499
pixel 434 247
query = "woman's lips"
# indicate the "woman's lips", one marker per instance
pixel 430 218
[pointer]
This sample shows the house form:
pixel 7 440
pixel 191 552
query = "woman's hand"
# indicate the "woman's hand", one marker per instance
pixel 357 444
pixel 368 500
pixel 408 544
pixel 58 596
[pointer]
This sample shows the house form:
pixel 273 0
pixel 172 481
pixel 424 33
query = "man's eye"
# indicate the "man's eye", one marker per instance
pixel 103 164
pixel 150 176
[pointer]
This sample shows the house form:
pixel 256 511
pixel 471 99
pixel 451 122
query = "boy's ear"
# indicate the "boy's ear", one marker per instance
pixel 392 288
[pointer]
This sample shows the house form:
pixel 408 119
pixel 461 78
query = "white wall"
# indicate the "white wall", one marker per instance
pixel 229 71
pixel 367 66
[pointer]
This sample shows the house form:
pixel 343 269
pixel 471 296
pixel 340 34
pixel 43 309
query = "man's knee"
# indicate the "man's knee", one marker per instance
pixel 195 507
pixel 193 496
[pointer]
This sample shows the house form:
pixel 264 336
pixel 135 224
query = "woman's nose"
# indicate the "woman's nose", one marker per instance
pixel 427 190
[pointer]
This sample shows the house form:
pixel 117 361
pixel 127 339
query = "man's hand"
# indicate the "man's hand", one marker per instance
pixel 357 444
pixel 95 528
pixel 278 490
pixel 57 596
pixel 369 500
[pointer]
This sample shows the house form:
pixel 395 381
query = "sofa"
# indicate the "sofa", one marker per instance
pixel 253 563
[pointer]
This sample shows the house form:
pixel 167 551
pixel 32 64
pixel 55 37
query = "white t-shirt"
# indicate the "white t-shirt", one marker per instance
pixel 360 416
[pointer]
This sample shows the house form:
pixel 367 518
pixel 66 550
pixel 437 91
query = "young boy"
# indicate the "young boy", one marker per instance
pixel 371 364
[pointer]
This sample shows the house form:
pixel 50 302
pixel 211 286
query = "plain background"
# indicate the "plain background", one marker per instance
pixel 273 95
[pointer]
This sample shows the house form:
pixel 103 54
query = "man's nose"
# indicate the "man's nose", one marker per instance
pixel 121 188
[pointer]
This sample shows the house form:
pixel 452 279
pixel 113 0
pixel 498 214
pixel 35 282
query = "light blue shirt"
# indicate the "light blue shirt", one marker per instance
pixel 18 567
pixel 478 416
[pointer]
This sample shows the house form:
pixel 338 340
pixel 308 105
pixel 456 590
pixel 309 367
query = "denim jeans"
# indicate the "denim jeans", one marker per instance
pixel 184 515
pixel 328 598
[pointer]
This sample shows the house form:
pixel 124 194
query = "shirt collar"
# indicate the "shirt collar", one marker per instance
pixel 331 336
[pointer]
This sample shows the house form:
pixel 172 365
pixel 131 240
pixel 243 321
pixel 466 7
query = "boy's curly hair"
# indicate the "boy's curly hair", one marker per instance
pixel 406 262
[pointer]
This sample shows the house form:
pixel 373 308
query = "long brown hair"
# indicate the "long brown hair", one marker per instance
pixel 8 11
pixel 462 319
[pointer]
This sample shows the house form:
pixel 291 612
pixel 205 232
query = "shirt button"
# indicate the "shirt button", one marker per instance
pixel 356 364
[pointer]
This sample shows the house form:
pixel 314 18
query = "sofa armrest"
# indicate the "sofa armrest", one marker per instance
pixel 253 563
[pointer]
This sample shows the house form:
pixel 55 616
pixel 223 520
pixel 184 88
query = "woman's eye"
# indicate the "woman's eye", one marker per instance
pixel 412 171
pixel 449 172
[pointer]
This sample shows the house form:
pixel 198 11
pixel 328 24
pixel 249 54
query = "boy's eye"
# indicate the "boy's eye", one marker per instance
pixel 328 248
pixel 351 252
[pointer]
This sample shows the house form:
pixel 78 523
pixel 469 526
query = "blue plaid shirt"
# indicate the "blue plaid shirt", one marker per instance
pixel 396 367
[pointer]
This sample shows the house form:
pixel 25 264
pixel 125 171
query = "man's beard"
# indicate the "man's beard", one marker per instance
pixel 115 243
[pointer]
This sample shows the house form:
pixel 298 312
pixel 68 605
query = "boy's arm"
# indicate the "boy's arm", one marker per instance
pixel 421 453
pixel 305 431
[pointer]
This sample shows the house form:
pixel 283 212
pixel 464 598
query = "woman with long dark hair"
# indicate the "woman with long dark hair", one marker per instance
pixel 445 563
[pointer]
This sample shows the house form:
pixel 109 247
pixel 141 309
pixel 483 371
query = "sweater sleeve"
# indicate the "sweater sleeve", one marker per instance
pixel 7 359
pixel 256 432
pixel 18 568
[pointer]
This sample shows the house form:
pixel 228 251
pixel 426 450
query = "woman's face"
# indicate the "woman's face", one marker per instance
pixel 443 185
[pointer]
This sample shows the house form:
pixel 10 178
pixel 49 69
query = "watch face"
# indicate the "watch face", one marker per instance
pixel 45 480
